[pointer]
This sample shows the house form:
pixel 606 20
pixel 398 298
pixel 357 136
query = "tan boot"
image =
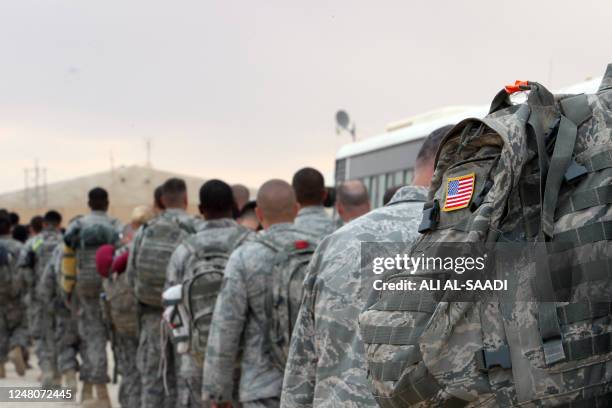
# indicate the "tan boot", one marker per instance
pixel 16 357
pixel 102 399
pixel 70 381
pixel 87 392
pixel 47 379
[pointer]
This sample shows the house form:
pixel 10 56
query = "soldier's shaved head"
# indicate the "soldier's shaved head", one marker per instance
pixel 352 200
pixel 276 203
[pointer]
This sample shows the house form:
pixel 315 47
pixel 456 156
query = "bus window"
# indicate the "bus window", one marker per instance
pixel 408 177
pixel 373 185
pixel 399 178
pixel 382 182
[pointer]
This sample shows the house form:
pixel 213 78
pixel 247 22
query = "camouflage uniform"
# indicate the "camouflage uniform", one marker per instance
pixel 91 328
pixel 209 233
pixel 64 336
pixel 13 328
pixel 240 315
pixel 40 317
pixel 326 365
pixel 126 349
pixel 314 219
pixel 149 355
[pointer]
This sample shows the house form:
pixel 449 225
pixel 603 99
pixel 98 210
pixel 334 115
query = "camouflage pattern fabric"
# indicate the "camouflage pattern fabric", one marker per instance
pixel 263 403
pixel 148 360
pixel 40 317
pixel 212 233
pixel 13 326
pixel 90 325
pixel 498 349
pixel 314 219
pixel 240 316
pixel 62 338
pixel 130 387
pixel 149 354
pixel 326 365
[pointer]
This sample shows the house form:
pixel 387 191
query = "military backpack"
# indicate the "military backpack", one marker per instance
pixel 206 266
pixel 6 274
pixel 538 172
pixel 285 295
pixel 160 237
pixel 89 238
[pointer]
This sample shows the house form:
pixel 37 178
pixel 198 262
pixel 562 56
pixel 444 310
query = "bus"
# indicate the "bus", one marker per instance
pixel 387 160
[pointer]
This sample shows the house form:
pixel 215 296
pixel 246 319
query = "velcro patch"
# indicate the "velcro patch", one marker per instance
pixel 459 191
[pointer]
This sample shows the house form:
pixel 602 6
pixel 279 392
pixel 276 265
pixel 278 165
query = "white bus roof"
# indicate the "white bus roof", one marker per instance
pixel 423 124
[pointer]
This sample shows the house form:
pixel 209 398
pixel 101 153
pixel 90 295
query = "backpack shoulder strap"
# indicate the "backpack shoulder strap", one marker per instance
pixel 270 243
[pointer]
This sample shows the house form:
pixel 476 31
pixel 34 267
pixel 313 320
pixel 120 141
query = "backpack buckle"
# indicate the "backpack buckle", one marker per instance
pixel 517 87
pixel 487 359
pixel 574 170
pixel 431 214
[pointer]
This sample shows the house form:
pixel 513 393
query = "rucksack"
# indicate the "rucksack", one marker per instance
pixel 121 305
pixel 285 297
pixel 90 238
pixel 207 265
pixel 160 238
pixel 539 172
pixel 43 250
pixel 6 274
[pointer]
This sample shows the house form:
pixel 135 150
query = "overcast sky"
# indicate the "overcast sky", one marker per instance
pixel 247 90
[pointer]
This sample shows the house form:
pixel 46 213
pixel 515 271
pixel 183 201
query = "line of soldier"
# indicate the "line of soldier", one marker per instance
pixel 104 280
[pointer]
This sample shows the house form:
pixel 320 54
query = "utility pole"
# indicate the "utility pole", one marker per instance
pixel 37 196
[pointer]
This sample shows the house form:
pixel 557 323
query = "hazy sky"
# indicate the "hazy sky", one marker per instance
pixel 247 90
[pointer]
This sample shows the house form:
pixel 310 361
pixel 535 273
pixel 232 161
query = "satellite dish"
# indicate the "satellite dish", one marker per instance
pixel 342 119
pixel 344 122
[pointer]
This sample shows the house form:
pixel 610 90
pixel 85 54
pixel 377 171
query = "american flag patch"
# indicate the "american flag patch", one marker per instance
pixel 459 192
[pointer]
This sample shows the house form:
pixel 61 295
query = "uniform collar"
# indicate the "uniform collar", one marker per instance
pixel 217 223
pixel 409 193
pixel 283 226
pixel 312 209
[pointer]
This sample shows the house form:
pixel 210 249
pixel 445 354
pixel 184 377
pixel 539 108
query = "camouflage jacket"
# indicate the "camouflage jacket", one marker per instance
pixel 240 316
pixel 48 287
pixel 134 247
pixel 93 218
pixel 32 275
pixel 14 248
pixel 326 365
pixel 209 233
pixel 314 219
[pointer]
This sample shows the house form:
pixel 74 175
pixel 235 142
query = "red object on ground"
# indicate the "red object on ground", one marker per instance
pixel 120 262
pixel 104 259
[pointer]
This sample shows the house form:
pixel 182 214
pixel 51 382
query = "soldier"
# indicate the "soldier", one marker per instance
pixel 241 314
pixel 326 363
pixel 63 338
pixel 150 253
pixel 13 330
pixel 219 233
pixel 310 192
pixel 34 257
pixel 352 200
pixel 241 195
pixel 85 235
